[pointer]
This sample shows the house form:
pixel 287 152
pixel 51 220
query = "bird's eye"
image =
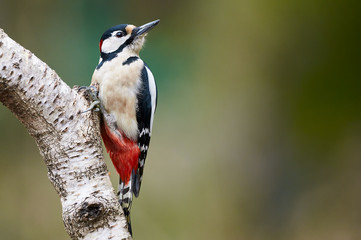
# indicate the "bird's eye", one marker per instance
pixel 119 34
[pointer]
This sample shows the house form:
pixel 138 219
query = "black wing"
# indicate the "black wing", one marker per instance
pixel 147 101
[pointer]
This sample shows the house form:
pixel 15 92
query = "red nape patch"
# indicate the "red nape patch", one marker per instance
pixel 100 45
pixel 124 152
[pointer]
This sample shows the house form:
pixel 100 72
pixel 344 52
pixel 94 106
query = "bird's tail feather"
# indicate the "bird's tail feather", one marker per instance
pixel 125 193
pixel 127 216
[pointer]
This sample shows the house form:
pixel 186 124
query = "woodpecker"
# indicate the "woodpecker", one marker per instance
pixel 127 96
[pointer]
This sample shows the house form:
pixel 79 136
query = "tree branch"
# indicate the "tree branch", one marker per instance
pixel 68 140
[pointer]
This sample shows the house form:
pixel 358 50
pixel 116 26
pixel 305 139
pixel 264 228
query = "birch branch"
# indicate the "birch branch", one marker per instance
pixel 68 140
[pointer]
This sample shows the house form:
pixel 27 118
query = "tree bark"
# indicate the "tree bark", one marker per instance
pixel 68 140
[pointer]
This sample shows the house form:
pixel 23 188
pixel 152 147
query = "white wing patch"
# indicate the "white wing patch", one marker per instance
pixel 153 94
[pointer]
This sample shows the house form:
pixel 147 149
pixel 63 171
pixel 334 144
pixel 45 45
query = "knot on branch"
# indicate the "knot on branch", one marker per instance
pixel 90 212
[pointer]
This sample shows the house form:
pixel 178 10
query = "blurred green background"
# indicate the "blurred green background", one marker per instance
pixel 258 127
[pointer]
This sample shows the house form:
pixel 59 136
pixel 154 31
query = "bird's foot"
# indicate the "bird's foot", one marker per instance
pixel 94 105
pixel 92 93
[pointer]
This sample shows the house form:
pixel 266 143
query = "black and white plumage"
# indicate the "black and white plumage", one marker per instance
pixel 128 97
pixel 147 102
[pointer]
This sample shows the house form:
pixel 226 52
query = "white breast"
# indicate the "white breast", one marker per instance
pixel 118 88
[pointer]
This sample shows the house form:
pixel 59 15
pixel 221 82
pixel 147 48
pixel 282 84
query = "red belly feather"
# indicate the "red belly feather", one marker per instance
pixel 123 152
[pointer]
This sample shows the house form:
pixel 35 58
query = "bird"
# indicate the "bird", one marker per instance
pixel 126 93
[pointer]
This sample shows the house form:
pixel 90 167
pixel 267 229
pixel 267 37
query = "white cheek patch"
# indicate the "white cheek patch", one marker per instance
pixel 112 43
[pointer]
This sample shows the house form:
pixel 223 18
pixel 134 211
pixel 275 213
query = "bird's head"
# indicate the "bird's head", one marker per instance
pixel 124 37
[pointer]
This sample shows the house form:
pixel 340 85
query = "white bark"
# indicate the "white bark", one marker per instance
pixel 68 140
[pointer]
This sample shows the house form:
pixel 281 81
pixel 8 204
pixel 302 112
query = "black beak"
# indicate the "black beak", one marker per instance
pixel 144 28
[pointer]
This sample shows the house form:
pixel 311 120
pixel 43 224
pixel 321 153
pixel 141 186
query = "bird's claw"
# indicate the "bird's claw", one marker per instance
pixel 92 93
pixel 93 105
